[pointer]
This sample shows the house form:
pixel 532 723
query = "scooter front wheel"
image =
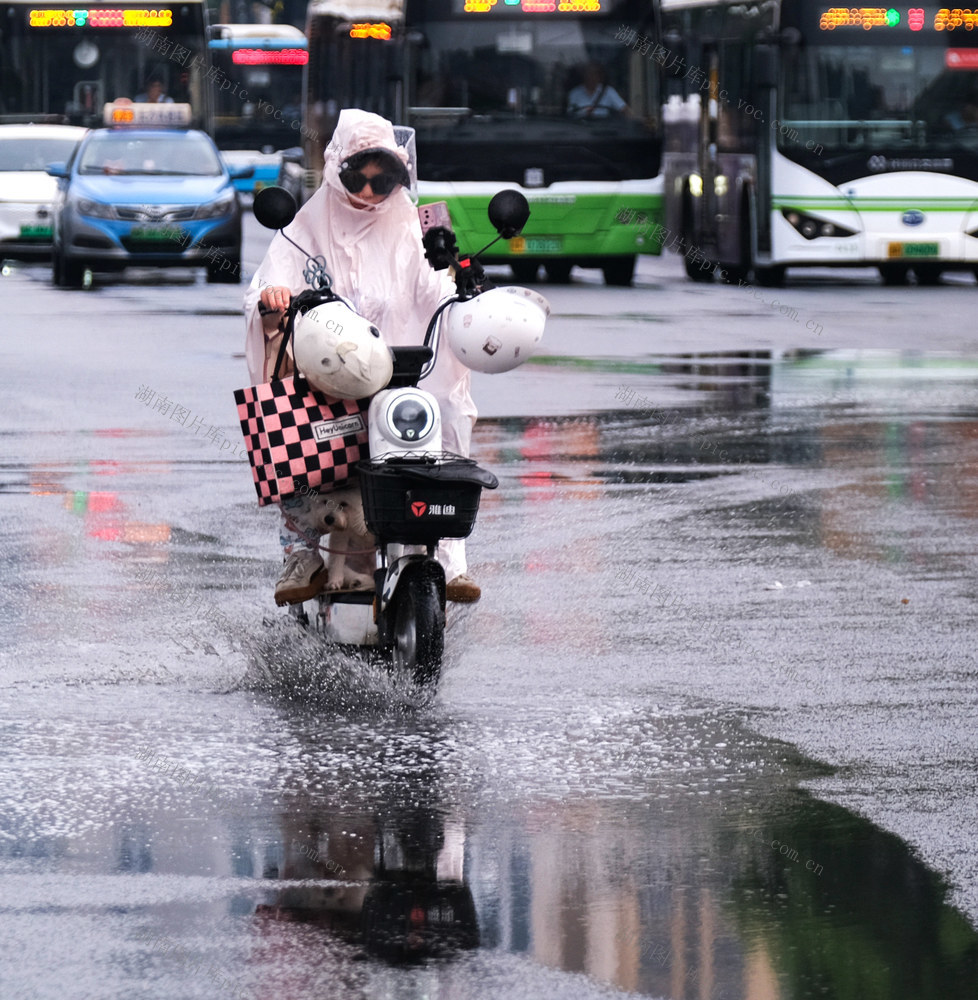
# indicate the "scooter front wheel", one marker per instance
pixel 419 629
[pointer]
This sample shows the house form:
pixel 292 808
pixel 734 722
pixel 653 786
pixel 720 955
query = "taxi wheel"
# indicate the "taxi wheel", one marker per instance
pixel 67 273
pixel 228 272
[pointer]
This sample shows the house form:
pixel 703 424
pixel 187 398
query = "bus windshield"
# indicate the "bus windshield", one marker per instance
pixel 872 78
pixel 868 97
pixel 484 95
pixel 63 65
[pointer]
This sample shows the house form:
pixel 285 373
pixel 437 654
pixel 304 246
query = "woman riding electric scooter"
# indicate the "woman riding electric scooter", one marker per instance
pixel 363 221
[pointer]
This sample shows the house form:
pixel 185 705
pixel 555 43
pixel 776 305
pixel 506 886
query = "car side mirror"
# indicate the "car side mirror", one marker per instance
pixel 57 169
pixel 274 207
pixel 508 212
pixel 241 173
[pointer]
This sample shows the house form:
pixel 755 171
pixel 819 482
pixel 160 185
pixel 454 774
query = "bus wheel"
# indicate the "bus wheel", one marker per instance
pixel 928 274
pixel 558 271
pixel 524 270
pixel 619 271
pixel 732 275
pixel 770 277
pixel 894 274
pixel 699 268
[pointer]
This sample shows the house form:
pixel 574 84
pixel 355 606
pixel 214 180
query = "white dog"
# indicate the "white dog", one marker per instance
pixel 339 514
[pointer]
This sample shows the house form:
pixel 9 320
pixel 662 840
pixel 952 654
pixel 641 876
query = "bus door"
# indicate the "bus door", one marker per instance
pixel 765 63
pixel 708 165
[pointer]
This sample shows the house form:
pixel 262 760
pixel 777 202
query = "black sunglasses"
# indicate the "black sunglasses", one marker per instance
pixel 355 180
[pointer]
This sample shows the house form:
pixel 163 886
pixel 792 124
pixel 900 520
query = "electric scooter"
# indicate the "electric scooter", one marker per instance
pixel 414 493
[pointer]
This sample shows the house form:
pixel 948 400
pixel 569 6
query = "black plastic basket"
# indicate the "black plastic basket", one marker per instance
pixel 418 501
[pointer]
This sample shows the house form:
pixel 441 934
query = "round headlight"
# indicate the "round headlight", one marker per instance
pixel 412 419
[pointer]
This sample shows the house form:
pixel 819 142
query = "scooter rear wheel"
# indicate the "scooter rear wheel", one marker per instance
pixel 419 629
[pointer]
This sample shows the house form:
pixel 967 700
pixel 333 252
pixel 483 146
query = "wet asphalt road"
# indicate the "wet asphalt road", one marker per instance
pixel 709 734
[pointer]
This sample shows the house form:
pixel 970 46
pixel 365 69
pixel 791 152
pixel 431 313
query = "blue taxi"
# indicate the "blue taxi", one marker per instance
pixel 141 194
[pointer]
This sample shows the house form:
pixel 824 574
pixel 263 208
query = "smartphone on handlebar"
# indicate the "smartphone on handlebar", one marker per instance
pixel 435 215
pixel 437 235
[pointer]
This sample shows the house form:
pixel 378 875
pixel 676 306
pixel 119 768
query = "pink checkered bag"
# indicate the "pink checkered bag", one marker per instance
pixel 299 439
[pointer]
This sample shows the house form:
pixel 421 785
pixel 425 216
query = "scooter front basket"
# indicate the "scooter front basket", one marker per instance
pixel 417 500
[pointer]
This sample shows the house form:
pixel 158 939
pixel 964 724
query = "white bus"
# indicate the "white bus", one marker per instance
pixel 801 134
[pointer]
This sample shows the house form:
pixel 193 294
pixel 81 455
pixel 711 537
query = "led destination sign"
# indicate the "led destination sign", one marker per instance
pixel 531 6
pixel 367 29
pixel 270 57
pixel 101 17
pixel 914 18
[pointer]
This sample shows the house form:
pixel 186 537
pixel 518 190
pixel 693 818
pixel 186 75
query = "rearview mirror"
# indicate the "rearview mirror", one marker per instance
pixel 274 207
pixel 508 212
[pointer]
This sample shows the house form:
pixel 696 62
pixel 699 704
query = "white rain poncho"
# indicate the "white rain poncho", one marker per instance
pixel 375 257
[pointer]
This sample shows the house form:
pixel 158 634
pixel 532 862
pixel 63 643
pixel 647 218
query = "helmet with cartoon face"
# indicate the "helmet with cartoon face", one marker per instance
pixel 497 330
pixel 341 353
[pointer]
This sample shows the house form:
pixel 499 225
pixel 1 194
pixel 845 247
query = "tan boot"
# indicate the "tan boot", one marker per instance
pixel 463 590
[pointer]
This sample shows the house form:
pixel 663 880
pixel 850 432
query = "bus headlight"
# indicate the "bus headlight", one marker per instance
pixel 812 228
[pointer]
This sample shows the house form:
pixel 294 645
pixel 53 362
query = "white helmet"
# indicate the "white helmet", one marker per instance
pixel 340 353
pixel 497 330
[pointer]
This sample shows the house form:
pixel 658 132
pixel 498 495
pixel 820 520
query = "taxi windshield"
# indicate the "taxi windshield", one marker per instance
pixel 158 155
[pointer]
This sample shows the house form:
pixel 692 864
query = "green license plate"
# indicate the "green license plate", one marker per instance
pixel 536 244
pixel 36 232
pixel 913 250
pixel 156 234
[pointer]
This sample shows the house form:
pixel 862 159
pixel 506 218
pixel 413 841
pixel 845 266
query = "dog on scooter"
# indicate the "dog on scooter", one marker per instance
pixel 339 514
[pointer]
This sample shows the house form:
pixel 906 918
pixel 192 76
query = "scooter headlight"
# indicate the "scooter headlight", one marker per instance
pixel 411 418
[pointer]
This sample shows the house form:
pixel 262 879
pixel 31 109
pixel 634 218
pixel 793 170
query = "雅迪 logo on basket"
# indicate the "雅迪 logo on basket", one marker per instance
pixel 421 508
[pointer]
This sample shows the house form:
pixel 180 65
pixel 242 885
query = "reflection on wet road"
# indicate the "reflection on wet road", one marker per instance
pixel 604 794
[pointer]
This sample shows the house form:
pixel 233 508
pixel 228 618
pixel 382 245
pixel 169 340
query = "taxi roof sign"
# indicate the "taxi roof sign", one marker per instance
pixel 142 115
